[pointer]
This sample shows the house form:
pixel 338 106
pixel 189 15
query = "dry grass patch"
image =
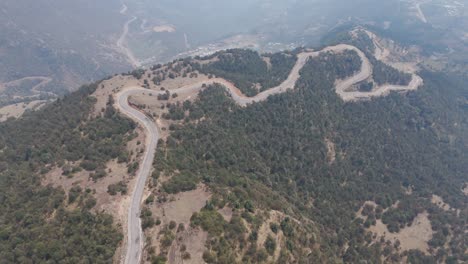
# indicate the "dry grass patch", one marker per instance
pixel 437 200
pixel 415 236
pixel 110 87
pixel 331 151
pixel 149 104
pixel 170 84
pixel 226 213
pixel 188 243
pixel 267 60
pixel 104 201
pixel 164 28
pixel 179 208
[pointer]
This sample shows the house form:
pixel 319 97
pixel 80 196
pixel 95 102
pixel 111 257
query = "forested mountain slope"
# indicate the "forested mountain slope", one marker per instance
pixel 326 159
pixel 41 223
pixel 302 177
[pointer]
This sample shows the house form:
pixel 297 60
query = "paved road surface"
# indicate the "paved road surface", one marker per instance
pixel 134 231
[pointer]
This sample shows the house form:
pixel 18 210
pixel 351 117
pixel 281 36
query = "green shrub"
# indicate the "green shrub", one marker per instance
pixel 210 221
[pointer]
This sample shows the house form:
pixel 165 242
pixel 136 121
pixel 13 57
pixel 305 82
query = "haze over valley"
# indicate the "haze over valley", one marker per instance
pixel 251 131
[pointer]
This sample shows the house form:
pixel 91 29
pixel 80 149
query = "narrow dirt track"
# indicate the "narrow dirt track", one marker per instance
pixel 420 13
pixel 122 44
pixel 122 41
pixel 135 240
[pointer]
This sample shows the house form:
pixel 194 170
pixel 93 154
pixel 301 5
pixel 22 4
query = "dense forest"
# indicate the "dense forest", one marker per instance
pixel 275 151
pixel 249 71
pixel 40 224
pixel 382 73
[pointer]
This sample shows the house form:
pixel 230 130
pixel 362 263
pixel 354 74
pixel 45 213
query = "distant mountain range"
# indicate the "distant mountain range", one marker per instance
pixel 75 42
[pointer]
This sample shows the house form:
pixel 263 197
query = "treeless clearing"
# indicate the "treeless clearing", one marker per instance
pixel 180 208
pixel 437 200
pixel 415 236
pixel 194 240
pixel 208 61
pixel 164 28
pixel 170 84
pixel 226 212
pixel 105 202
pixel 267 60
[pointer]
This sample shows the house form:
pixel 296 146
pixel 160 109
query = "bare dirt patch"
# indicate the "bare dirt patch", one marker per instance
pixel 208 61
pixel 105 202
pixel 164 28
pixel 408 190
pixel 415 236
pixel 180 208
pixel 175 83
pixel 226 212
pixel 194 242
pixel 331 151
pixel 437 200
pixel 267 60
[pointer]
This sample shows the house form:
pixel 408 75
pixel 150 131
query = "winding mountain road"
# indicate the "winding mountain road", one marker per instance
pixel 134 231
pixel 134 243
